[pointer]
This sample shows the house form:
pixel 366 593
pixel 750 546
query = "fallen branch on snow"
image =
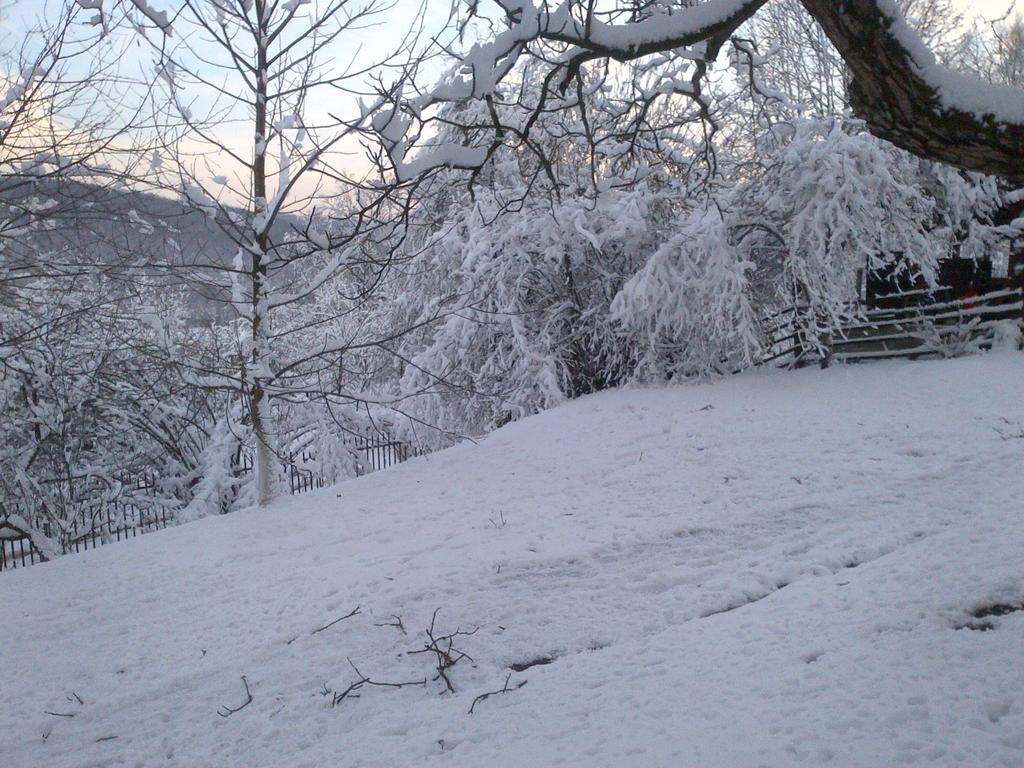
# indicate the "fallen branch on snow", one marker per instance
pixel 503 689
pixel 226 711
pixel 350 692
pixel 443 647
pixel 397 623
pixel 349 615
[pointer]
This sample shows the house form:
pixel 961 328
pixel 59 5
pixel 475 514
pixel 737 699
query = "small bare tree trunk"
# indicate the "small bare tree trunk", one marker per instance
pixel 259 406
pixel 263 461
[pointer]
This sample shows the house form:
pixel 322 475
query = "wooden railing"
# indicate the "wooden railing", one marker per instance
pixel 944 328
pixel 922 328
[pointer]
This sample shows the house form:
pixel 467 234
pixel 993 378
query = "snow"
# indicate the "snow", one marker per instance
pixel 20 87
pixel 763 571
pixel 486 64
pixel 159 18
pixel 391 125
pixel 662 24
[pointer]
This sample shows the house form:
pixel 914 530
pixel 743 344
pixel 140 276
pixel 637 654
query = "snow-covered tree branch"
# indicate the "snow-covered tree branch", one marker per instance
pixel 897 87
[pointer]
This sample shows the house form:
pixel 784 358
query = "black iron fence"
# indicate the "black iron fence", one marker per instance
pixel 98 523
pixel 380 451
pixel 93 525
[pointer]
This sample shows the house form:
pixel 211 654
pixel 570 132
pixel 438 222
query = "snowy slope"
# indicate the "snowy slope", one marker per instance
pixel 763 571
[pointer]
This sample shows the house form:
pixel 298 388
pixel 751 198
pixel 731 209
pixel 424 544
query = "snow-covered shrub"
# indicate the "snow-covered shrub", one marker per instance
pixel 92 396
pixel 530 325
pixel 527 295
pixel 216 484
pixel 688 310
pixel 513 285
pixel 834 200
pixel 508 275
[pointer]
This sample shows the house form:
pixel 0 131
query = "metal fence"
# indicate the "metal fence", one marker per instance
pixel 380 451
pixel 95 524
pixel 16 553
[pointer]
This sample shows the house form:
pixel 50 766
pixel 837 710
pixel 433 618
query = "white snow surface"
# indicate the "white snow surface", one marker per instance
pixel 763 571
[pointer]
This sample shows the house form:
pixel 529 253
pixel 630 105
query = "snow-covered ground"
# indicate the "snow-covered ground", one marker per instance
pixel 764 571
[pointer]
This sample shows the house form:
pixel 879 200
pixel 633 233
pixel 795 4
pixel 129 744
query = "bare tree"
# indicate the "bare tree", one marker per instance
pixel 263 111
pixel 996 49
pixel 805 66
pixel 1009 52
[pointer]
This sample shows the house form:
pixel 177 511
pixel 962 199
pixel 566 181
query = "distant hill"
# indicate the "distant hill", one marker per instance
pixel 113 228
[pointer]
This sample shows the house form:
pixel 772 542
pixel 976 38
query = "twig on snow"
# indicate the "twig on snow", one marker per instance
pixel 349 615
pixel 337 698
pixel 397 623
pixel 1010 434
pixel 503 689
pixel 226 711
pixel 443 647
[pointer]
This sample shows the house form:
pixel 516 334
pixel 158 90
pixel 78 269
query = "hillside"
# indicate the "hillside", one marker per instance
pixel 109 225
pixel 776 569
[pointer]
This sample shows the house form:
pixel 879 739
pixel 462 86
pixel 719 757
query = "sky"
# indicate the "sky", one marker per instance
pixel 31 8
pixel 233 128
pixel 16 15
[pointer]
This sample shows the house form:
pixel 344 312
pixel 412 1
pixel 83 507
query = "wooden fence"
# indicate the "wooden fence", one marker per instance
pixel 942 328
pixel 788 342
pixel 935 328
pixel 101 523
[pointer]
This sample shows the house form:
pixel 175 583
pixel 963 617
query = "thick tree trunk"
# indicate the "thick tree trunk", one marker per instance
pixel 891 93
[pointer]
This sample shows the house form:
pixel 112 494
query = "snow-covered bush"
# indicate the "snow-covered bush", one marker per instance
pixel 510 273
pixel 834 200
pixel 544 295
pixel 688 310
pixel 93 395
pixel 530 325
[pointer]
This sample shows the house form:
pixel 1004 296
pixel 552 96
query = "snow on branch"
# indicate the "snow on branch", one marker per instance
pixel 158 18
pixel 665 26
pixel 898 88
pixel 392 126
pixel 21 86
pixel 485 65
